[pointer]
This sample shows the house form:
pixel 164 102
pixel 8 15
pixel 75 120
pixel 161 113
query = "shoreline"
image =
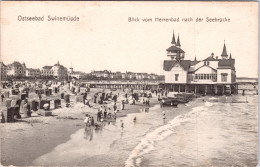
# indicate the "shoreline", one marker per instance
pixel 22 142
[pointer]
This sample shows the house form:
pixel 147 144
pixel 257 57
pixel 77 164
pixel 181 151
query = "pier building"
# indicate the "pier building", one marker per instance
pixel 213 75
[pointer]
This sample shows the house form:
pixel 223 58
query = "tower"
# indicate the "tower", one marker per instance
pixel 173 39
pixel 178 42
pixel 175 52
pixel 224 54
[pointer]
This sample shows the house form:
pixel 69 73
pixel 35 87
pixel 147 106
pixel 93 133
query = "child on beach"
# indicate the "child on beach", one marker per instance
pixel 105 112
pixel 122 125
pixel 109 113
pixel 164 117
pixel 86 121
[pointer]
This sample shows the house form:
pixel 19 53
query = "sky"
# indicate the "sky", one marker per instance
pixel 105 39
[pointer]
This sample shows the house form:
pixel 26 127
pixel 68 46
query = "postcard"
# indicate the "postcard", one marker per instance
pixel 129 83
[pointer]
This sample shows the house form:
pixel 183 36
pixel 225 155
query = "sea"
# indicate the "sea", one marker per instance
pixel 207 131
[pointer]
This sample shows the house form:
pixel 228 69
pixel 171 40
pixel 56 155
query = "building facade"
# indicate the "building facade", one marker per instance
pixel 16 69
pixel 46 71
pixel 59 71
pixel 76 74
pixel 213 75
pixel 32 73
pixel 3 71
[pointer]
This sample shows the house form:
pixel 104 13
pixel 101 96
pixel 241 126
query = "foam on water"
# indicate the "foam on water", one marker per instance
pixel 208 104
pixel 218 134
pixel 147 144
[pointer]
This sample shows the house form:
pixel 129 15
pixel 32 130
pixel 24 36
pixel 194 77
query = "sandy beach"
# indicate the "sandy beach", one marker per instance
pixel 26 139
pixel 63 140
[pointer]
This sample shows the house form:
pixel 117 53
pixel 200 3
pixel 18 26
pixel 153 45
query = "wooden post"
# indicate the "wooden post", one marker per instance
pixel 223 89
pixel 195 89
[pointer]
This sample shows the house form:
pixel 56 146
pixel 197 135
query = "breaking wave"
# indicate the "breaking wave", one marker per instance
pixel 147 144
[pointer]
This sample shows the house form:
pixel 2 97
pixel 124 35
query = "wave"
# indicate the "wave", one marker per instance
pixel 147 144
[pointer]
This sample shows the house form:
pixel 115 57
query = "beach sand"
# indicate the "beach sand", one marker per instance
pixel 25 140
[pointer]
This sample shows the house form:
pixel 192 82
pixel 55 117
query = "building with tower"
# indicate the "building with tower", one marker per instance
pixel 16 69
pixel 213 75
pixel 76 74
pixel 59 71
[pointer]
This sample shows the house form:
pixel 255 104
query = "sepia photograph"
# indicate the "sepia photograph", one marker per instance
pixel 129 84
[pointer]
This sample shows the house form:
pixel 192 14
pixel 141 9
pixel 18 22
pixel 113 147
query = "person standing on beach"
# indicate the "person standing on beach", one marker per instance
pixel 115 107
pixel 101 109
pixel 98 116
pixel 92 121
pixel 148 102
pixel 109 113
pixel 2 97
pixel 122 125
pixel 164 116
pixel 86 120
pixel 105 112
pixel 40 96
pixel 123 105
pixel 114 115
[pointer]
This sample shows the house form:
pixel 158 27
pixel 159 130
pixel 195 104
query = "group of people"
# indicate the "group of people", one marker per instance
pixel 146 101
pixel 106 112
pixel 89 120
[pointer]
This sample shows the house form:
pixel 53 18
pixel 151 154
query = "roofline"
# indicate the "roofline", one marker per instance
pixel 224 67
pixel 246 78
pixel 204 66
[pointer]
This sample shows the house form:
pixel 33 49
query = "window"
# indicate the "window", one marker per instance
pixel 176 77
pixel 224 77
pixel 207 76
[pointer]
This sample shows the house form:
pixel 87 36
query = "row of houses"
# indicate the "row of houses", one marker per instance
pixel 105 74
pixel 19 70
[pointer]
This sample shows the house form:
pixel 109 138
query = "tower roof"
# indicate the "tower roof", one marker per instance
pixel 173 39
pixel 178 41
pixel 227 63
pixel 175 49
pixel 224 52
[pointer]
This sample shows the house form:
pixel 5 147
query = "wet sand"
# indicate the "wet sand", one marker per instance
pixel 23 141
